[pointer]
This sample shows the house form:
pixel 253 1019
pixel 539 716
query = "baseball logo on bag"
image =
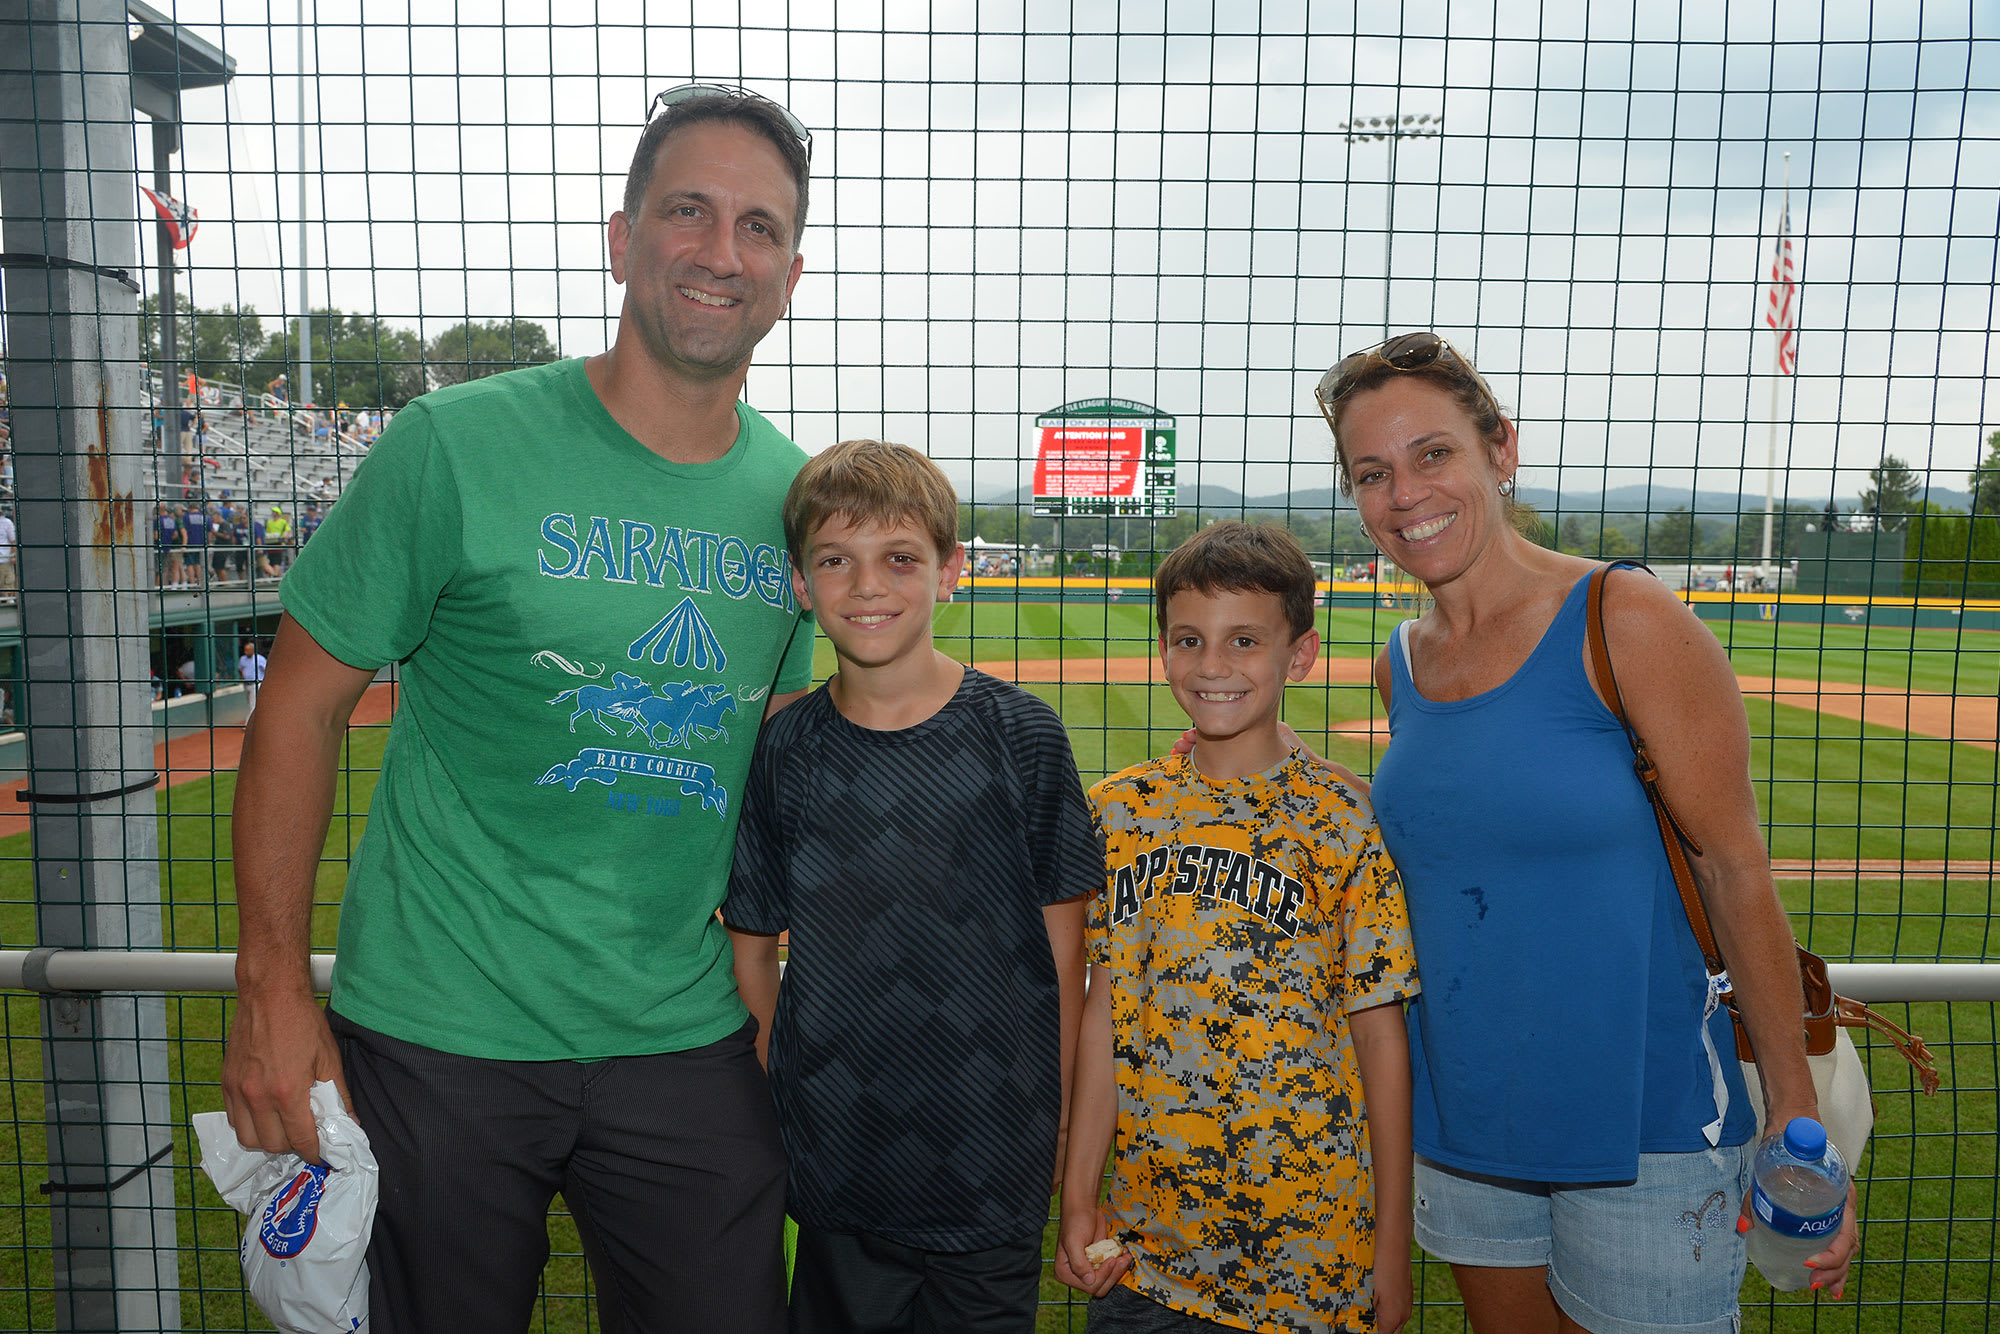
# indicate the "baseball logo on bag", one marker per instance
pixel 292 1215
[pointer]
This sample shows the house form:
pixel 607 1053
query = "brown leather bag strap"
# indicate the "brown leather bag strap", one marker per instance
pixel 1824 1011
pixel 1853 1014
pixel 1676 840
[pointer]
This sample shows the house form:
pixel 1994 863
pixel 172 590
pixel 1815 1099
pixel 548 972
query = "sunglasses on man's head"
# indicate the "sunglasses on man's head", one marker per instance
pixel 695 92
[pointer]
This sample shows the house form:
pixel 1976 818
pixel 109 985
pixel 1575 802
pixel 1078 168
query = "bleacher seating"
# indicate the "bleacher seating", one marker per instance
pixel 269 453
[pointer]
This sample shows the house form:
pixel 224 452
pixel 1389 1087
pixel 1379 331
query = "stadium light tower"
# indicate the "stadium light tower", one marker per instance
pixel 1392 129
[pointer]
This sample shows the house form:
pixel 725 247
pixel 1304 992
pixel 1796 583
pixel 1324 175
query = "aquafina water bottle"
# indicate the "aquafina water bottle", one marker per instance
pixel 1796 1202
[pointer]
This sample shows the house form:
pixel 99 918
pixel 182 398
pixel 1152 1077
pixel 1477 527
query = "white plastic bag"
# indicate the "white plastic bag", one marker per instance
pixel 305 1247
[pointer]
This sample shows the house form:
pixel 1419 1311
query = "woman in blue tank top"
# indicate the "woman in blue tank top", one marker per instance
pixel 1580 1121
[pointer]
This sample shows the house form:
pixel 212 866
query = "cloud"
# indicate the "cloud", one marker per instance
pixel 1007 217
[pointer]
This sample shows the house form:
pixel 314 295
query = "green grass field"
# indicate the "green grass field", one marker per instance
pixel 1828 788
pixel 1944 661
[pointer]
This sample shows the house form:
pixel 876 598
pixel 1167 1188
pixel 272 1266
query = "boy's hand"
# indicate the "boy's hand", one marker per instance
pixel 1079 1231
pixel 1395 1299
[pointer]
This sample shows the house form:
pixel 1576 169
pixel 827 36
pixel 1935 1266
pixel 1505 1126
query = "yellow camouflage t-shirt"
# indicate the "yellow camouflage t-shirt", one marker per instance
pixel 1241 922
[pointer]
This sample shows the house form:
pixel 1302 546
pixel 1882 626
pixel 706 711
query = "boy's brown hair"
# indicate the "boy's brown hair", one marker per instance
pixel 1237 557
pixel 874 484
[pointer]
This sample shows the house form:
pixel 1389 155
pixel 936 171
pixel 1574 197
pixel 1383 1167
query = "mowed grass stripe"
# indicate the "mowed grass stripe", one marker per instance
pixel 1885 657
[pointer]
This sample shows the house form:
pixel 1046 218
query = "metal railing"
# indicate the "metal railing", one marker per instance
pixel 1926 1184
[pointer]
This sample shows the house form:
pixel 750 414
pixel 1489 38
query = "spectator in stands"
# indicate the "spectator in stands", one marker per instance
pixel 167 550
pixel 279 391
pixel 277 541
pixel 258 565
pixel 250 667
pixel 10 583
pixel 309 523
pixel 194 537
pixel 184 678
pixel 221 541
pixel 246 541
pixel 187 427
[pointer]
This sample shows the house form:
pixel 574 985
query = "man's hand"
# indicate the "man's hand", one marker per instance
pixel 279 1047
pixel 279 1044
pixel 1079 1230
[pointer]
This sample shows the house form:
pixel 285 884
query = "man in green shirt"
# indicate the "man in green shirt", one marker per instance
pixel 581 569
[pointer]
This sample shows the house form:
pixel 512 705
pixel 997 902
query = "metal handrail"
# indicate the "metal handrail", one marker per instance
pixel 49 970
pixel 55 970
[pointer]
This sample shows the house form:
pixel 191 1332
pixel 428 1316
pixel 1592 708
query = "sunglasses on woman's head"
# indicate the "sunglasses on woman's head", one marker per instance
pixel 695 92
pixel 1404 352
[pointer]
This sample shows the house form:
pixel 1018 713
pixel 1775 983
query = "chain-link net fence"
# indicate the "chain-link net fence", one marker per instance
pixel 1092 258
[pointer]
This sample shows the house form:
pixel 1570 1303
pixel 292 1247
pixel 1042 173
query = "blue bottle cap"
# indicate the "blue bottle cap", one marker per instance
pixel 1805 1139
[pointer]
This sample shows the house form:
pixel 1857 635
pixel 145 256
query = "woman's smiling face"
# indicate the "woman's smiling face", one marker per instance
pixel 1426 484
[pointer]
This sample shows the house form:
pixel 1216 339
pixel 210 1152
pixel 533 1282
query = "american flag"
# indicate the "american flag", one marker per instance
pixel 1781 303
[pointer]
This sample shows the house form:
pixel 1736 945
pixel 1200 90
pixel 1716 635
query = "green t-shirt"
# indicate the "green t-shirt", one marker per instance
pixel 589 634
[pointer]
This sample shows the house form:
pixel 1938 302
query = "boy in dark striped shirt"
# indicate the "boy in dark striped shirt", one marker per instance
pixel 919 828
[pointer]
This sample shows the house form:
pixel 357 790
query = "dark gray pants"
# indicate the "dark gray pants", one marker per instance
pixel 670 1165
pixel 854 1283
pixel 1124 1311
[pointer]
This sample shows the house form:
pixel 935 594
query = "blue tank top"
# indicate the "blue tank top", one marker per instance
pixel 1559 1032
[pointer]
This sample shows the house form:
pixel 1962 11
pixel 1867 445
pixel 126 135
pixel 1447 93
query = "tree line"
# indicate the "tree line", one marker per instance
pixel 1956 553
pixel 1676 536
pixel 1948 550
pixel 360 360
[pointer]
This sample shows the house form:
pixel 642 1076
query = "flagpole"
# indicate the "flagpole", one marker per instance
pixel 167 399
pixel 1777 373
pixel 305 385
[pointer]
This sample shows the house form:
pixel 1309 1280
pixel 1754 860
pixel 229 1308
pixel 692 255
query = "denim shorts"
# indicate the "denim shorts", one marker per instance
pixel 1636 1257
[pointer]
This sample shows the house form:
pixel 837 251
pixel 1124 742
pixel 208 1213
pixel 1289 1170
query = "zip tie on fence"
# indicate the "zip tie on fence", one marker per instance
pixel 80 798
pixel 84 1187
pixel 28 259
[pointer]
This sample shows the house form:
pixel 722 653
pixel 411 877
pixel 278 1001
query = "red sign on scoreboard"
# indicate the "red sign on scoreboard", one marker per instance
pixel 1105 458
pixel 1089 460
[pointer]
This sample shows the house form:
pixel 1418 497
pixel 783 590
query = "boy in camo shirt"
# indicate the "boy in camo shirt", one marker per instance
pixel 1243 1030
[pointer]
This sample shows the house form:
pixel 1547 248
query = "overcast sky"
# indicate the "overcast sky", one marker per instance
pixel 1018 204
